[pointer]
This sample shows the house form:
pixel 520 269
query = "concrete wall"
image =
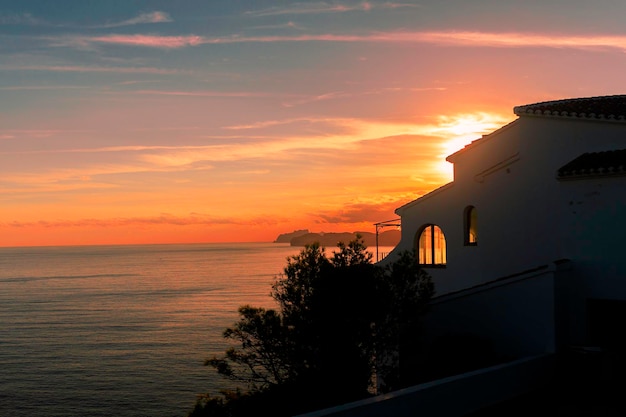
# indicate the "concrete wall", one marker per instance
pixel 515 316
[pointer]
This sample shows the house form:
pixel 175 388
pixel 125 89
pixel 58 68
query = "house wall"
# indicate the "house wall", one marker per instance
pixel 514 316
pixel 593 230
pixel 524 213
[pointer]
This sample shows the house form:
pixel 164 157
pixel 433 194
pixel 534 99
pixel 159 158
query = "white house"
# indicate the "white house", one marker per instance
pixel 527 251
pixel 527 245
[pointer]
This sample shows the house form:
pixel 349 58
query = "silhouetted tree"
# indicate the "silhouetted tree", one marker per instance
pixel 405 290
pixel 336 317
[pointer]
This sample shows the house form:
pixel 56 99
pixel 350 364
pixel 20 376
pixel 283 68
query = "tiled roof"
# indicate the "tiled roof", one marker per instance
pixel 599 108
pixel 606 163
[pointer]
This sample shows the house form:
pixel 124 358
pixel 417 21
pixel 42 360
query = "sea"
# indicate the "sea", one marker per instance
pixel 123 330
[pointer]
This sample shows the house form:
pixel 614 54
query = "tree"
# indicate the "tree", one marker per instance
pixel 260 360
pixel 406 289
pixel 336 317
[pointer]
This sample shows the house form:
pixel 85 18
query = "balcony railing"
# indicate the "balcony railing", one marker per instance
pixel 379 226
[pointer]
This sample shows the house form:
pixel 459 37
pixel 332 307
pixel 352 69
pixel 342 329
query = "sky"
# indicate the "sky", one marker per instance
pixel 127 122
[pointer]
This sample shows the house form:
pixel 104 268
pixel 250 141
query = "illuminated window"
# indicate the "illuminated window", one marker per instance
pixel 431 246
pixel 471 231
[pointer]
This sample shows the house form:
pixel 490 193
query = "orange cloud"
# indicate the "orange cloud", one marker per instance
pixel 151 41
pixel 456 38
pixel 194 219
pixel 369 213
pixel 512 39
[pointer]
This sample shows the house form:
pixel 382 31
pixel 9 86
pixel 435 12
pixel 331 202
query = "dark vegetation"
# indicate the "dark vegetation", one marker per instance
pixel 344 329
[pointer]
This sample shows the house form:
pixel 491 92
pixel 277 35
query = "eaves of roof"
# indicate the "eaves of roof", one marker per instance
pixel 594 164
pixel 605 108
pixel 480 141
pixel 601 108
pixel 426 196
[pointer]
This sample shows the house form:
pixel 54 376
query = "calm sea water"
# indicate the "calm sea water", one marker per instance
pixel 122 330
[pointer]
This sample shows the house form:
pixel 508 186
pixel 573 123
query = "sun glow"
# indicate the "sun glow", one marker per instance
pixel 460 130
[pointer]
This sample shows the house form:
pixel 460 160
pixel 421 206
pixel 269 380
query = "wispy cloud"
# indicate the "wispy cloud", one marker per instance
pixel 78 68
pixel 149 41
pixel 344 94
pixel 19 19
pixel 336 134
pixel 269 123
pixel 151 17
pixel 320 97
pixel 310 8
pixel 325 7
pixel 59 177
pixel 43 87
pixel 38 133
pixel 328 129
pixel 192 219
pixel 359 212
pixel 288 25
pixel 332 134
pixel 394 5
pixel 236 94
pixel 105 149
pixel 143 18
pixel 512 39
pixel 451 38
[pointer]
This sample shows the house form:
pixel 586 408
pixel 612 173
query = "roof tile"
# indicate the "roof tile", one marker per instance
pixel 600 108
pixel 607 163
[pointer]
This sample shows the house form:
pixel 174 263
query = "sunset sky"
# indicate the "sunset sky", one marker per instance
pixel 236 120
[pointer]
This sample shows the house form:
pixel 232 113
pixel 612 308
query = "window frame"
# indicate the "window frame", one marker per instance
pixel 433 246
pixel 470 226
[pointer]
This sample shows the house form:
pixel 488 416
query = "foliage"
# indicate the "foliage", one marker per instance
pixel 353 254
pixel 259 362
pixel 405 289
pixel 336 318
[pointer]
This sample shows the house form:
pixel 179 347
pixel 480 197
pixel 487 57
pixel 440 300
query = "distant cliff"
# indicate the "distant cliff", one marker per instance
pixel 286 237
pixel 330 240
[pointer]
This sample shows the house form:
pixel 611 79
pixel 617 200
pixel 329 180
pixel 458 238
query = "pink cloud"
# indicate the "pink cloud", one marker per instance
pixel 455 38
pixel 472 39
pixel 151 41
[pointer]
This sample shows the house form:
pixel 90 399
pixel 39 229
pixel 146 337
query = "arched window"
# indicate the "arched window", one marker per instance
pixel 431 246
pixel 470 226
